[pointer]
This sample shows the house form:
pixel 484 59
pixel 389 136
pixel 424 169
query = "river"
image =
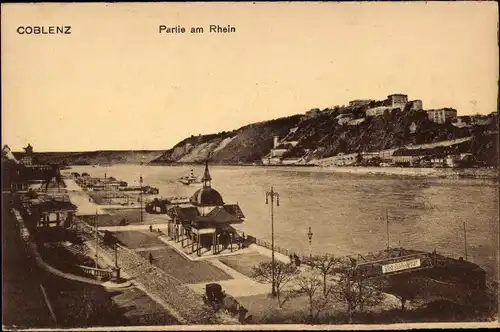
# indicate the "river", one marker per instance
pixel 346 212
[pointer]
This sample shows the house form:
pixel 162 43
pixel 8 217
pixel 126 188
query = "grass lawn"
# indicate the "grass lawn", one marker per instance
pixel 137 308
pixel 265 310
pixel 138 239
pixel 132 216
pixel 169 260
pixel 189 272
pixel 78 304
pixel 245 262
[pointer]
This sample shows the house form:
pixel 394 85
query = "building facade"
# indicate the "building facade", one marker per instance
pixel 27 158
pixel 416 105
pixel 444 115
pixel 377 111
pixel 398 100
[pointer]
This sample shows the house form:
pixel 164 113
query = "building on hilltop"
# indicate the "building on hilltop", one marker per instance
pixel 398 100
pixel 205 222
pixel 360 102
pixel 416 105
pixel 393 102
pixel 377 111
pixel 443 115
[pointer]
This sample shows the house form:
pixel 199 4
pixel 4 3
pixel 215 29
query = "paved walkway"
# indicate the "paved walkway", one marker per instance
pixel 138 227
pixel 177 246
pixel 85 208
pixel 240 286
pixel 268 252
pixel 237 287
pixel 185 305
pixel 150 248
pixel 71 185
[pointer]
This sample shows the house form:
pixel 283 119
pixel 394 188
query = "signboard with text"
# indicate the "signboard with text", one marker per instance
pixel 400 266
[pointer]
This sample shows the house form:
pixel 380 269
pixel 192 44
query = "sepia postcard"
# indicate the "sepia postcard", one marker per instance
pixel 250 166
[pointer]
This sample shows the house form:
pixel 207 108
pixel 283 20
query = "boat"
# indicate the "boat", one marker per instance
pixel 187 180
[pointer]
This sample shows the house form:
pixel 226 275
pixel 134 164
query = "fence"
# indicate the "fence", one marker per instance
pixel 249 239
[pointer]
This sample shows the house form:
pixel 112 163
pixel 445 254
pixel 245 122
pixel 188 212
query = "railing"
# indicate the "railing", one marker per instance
pixel 251 239
pixel 98 273
pixel 268 245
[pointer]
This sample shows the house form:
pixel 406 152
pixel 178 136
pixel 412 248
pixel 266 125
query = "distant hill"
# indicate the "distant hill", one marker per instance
pixel 95 157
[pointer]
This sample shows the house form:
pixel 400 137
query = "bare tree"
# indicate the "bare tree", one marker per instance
pixel 352 290
pixel 283 274
pixel 325 265
pixel 310 285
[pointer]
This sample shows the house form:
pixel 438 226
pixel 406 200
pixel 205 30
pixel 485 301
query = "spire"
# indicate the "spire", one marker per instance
pixel 206 176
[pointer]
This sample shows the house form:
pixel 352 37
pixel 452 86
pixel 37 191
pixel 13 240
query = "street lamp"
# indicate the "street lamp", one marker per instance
pixel 310 235
pixel 96 240
pixel 140 184
pixel 273 195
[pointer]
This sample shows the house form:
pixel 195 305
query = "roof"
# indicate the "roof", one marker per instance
pixel 206 196
pixel 398 94
pixel 218 216
pixel 52 205
pixel 206 174
pixel 234 209
pixel 188 213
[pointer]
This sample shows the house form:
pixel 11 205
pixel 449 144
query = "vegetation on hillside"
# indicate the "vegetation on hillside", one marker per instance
pixel 320 133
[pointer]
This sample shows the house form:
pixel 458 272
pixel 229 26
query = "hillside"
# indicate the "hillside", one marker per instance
pixel 321 133
pixel 245 145
pixel 95 157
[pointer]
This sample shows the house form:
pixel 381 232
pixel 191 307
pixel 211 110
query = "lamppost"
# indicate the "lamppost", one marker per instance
pixel 140 183
pixel 310 235
pixel 273 195
pixel 96 240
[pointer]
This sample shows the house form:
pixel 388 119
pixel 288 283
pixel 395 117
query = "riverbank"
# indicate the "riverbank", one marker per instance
pixel 472 173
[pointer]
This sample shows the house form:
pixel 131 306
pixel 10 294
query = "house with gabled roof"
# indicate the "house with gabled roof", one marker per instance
pixel 205 223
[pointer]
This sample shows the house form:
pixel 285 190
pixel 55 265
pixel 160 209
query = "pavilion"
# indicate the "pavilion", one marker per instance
pixel 205 222
pixel 50 212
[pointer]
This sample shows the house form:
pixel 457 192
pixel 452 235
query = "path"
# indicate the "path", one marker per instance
pixel 131 228
pixel 178 299
pixel 85 207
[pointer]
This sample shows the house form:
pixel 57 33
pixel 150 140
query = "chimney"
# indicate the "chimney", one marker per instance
pixel 275 144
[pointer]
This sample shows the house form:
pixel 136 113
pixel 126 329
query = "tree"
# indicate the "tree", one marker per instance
pixel 325 265
pixel 283 274
pixel 310 285
pixel 401 287
pixel 352 290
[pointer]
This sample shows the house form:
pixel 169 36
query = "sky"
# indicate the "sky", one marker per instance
pixel 116 83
